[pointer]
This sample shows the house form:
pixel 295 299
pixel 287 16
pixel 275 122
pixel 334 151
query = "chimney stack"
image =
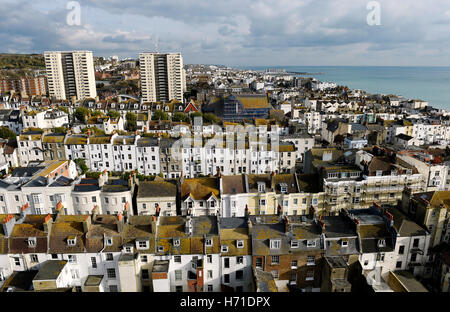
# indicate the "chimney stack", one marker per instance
pixel 94 212
pixel 25 210
pixel 120 223
pixel 8 225
pixel 48 222
pixel 87 223
pixel 60 209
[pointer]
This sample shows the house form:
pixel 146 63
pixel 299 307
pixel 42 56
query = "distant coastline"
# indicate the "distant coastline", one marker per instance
pixel 427 83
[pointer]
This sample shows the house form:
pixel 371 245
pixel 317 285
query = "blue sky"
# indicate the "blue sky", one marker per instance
pixel 237 32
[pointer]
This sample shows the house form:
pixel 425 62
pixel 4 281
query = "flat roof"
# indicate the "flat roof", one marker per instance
pixel 50 270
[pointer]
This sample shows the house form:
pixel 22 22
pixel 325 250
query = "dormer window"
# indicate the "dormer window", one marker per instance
pixel 176 242
pixel 160 248
pixel 128 249
pixel 344 244
pixel 180 108
pixel 275 244
pixel 240 244
pixel 311 243
pixel 158 107
pixel 109 241
pixel 393 173
pixel 379 173
pixel 32 242
pixel 208 242
pixel 72 241
pixel 283 187
pixel 261 187
pixel 167 108
pixel 381 243
pixel 142 244
pixel 294 244
pixel 224 248
pixel 144 107
pixel 409 171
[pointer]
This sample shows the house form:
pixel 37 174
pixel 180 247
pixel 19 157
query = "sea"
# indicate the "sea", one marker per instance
pixel 430 84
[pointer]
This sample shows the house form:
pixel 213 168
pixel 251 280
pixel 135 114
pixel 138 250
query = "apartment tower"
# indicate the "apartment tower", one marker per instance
pixel 162 77
pixel 70 74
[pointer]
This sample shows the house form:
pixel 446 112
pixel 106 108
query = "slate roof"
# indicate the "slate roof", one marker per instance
pixel 50 270
pixel 156 189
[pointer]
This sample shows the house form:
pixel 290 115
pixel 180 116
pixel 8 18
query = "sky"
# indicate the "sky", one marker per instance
pixel 237 32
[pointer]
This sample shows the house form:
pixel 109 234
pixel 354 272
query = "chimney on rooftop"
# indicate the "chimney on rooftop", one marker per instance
pixel 48 221
pixel 120 223
pixel 8 225
pixel 94 212
pixel 87 223
pixel 24 211
pixel 60 209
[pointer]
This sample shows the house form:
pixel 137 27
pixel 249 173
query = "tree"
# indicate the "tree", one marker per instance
pixel 160 115
pixel 64 109
pixel 96 113
pixel 113 114
pixel 131 121
pixel 180 117
pixel 81 163
pixel 6 133
pixel 210 118
pixel 81 113
pixel 59 130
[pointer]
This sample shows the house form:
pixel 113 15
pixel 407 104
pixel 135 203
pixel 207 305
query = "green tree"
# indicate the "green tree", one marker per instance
pixel 113 114
pixel 210 118
pixel 180 117
pixel 81 113
pixel 82 164
pixel 160 115
pixel 96 113
pixel 131 121
pixel 64 109
pixel 6 133
pixel 59 130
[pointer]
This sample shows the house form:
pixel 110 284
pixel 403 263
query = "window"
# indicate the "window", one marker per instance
pixel 17 261
pixel 142 245
pixel 294 264
pixel 210 274
pixel 381 243
pixel 414 257
pixel 94 199
pixel 311 243
pixel 258 263
pixel 310 275
pixel 240 244
pixel 208 242
pixel 72 241
pixel 32 242
pixel 160 248
pixel 275 244
pixel 210 288
pixel 72 258
pixel 109 241
pixel 366 262
pixel 74 274
pixel 111 273
pixel 262 202
pixel 398 265
pixel 226 263
pixel 54 256
pixel 224 248
pixel 239 275
pixel 145 274
pixel 179 288
pixel 226 278
pixel 177 259
pixel 294 243
pixel 275 260
pixel 401 250
pixel 109 257
pixel 416 243
pixel 113 288
pixel 311 260
pixel 344 244
pixel 178 275
pixel 209 258
pixel 94 262
pixel 261 187
pixel 34 258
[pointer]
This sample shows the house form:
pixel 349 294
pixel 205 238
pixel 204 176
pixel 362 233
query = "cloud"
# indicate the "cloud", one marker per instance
pixel 239 32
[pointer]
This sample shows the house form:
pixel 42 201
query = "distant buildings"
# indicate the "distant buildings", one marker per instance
pixel 70 75
pixel 27 86
pixel 162 77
